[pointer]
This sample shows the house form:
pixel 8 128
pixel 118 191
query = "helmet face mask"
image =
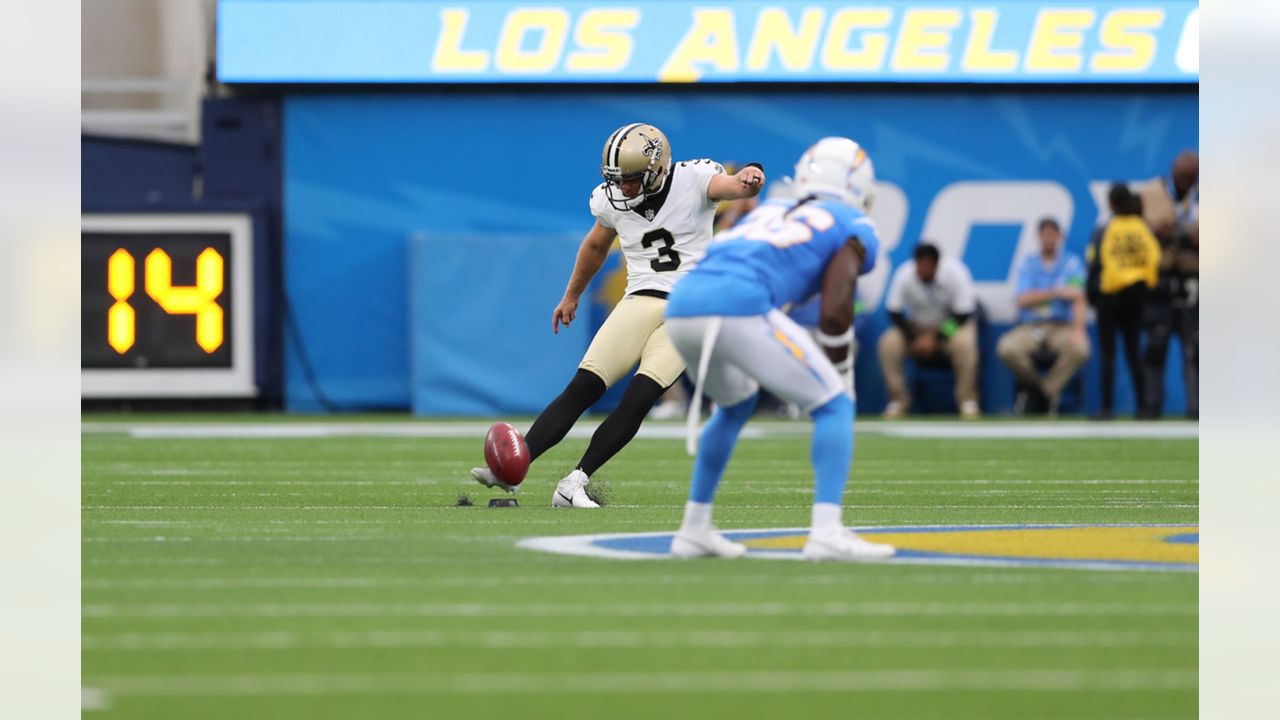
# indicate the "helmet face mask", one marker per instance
pixel 838 167
pixel 635 152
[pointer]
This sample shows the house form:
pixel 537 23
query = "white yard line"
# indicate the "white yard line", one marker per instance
pixel 92 698
pixel 861 579
pixel 596 683
pixel 656 431
pixel 655 609
pixel 609 639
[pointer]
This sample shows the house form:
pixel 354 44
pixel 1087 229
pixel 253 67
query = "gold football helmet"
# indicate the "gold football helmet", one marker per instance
pixel 637 151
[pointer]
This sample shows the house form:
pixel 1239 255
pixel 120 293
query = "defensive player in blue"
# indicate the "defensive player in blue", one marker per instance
pixel 726 319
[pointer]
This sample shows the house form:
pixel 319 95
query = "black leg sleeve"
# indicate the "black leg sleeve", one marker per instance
pixel 621 425
pixel 1107 327
pixel 1159 327
pixel 1134 301
pixel 555 421
pixel 1189 333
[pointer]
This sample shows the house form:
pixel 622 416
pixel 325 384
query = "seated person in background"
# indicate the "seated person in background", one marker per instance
pixel 1051 308
pixel 931 302
pixel 1124 260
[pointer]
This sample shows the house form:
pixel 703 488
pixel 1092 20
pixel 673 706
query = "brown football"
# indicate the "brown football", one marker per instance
pixel 506 453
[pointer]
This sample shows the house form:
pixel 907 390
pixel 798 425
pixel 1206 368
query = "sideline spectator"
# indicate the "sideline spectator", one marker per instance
pixel 1051 308
pixel 1174 306
pixel 931 302
pixel 1123 264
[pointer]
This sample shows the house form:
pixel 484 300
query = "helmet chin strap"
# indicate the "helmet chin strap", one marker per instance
pixel 653 181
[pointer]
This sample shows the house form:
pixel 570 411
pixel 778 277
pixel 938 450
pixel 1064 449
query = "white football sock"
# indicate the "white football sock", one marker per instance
pixel 697 516
pixel 826 516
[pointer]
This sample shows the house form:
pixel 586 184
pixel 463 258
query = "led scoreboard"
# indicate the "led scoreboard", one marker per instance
pixel 166 306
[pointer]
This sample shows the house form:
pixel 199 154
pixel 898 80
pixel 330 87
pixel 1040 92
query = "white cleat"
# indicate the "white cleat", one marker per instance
pixel 842 544
pixel 485 477
pixel 571 492
pixel 689 544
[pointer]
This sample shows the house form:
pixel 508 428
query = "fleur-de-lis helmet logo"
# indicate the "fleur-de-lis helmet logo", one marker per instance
pixel 652 147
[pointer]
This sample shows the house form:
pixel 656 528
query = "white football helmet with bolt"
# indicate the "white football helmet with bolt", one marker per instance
pixel 840 167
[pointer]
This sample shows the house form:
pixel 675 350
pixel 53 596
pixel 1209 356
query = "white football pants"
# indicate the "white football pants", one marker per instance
pixel 753 351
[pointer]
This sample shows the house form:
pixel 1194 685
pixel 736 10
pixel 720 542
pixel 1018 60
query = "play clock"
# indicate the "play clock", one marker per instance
pixel 166 306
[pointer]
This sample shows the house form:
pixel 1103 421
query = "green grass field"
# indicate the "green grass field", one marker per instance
pixel 337 577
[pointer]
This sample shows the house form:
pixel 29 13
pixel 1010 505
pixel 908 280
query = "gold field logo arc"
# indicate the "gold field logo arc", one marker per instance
pixel 1084 547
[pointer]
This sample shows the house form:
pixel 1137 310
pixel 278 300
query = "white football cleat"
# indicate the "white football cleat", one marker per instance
pixel 894 410
pixel 571 492
pixel 485 477
pixel 840 543
pixel 688 544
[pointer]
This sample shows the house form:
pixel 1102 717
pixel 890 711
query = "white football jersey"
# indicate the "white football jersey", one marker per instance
pixel 665 236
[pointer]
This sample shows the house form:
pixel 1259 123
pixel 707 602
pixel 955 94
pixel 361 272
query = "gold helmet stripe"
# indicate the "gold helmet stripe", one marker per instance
pixel 617 143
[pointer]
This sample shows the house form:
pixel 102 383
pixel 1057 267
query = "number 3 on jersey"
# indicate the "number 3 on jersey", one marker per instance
pixel 668 259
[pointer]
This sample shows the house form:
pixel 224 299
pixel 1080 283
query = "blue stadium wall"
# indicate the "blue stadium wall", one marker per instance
pixel 428 234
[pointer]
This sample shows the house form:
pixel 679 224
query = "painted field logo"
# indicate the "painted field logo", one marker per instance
pixel 1089 547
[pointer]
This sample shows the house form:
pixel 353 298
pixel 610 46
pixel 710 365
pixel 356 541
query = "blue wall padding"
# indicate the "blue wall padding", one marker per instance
pixel 116 171
pixel 480 313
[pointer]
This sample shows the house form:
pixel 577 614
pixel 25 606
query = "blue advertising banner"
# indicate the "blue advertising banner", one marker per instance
pixel 655 41
pixel 365 172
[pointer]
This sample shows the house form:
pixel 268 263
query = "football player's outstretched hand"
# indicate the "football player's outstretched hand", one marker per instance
pixel 751 177
pixel 566 311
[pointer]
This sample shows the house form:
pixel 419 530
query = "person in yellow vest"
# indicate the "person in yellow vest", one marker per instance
pixel 1124 260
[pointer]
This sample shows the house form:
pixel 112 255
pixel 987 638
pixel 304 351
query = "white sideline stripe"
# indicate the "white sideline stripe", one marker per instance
pixel 850 504
pixel 595 683
pixel 304 430
pixel 658 609
pixel 655 431
pixel 1041 430
pixel 631 639
pixel 93 699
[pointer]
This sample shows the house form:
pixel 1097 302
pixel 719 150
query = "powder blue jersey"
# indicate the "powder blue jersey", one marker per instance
pixel 774 257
